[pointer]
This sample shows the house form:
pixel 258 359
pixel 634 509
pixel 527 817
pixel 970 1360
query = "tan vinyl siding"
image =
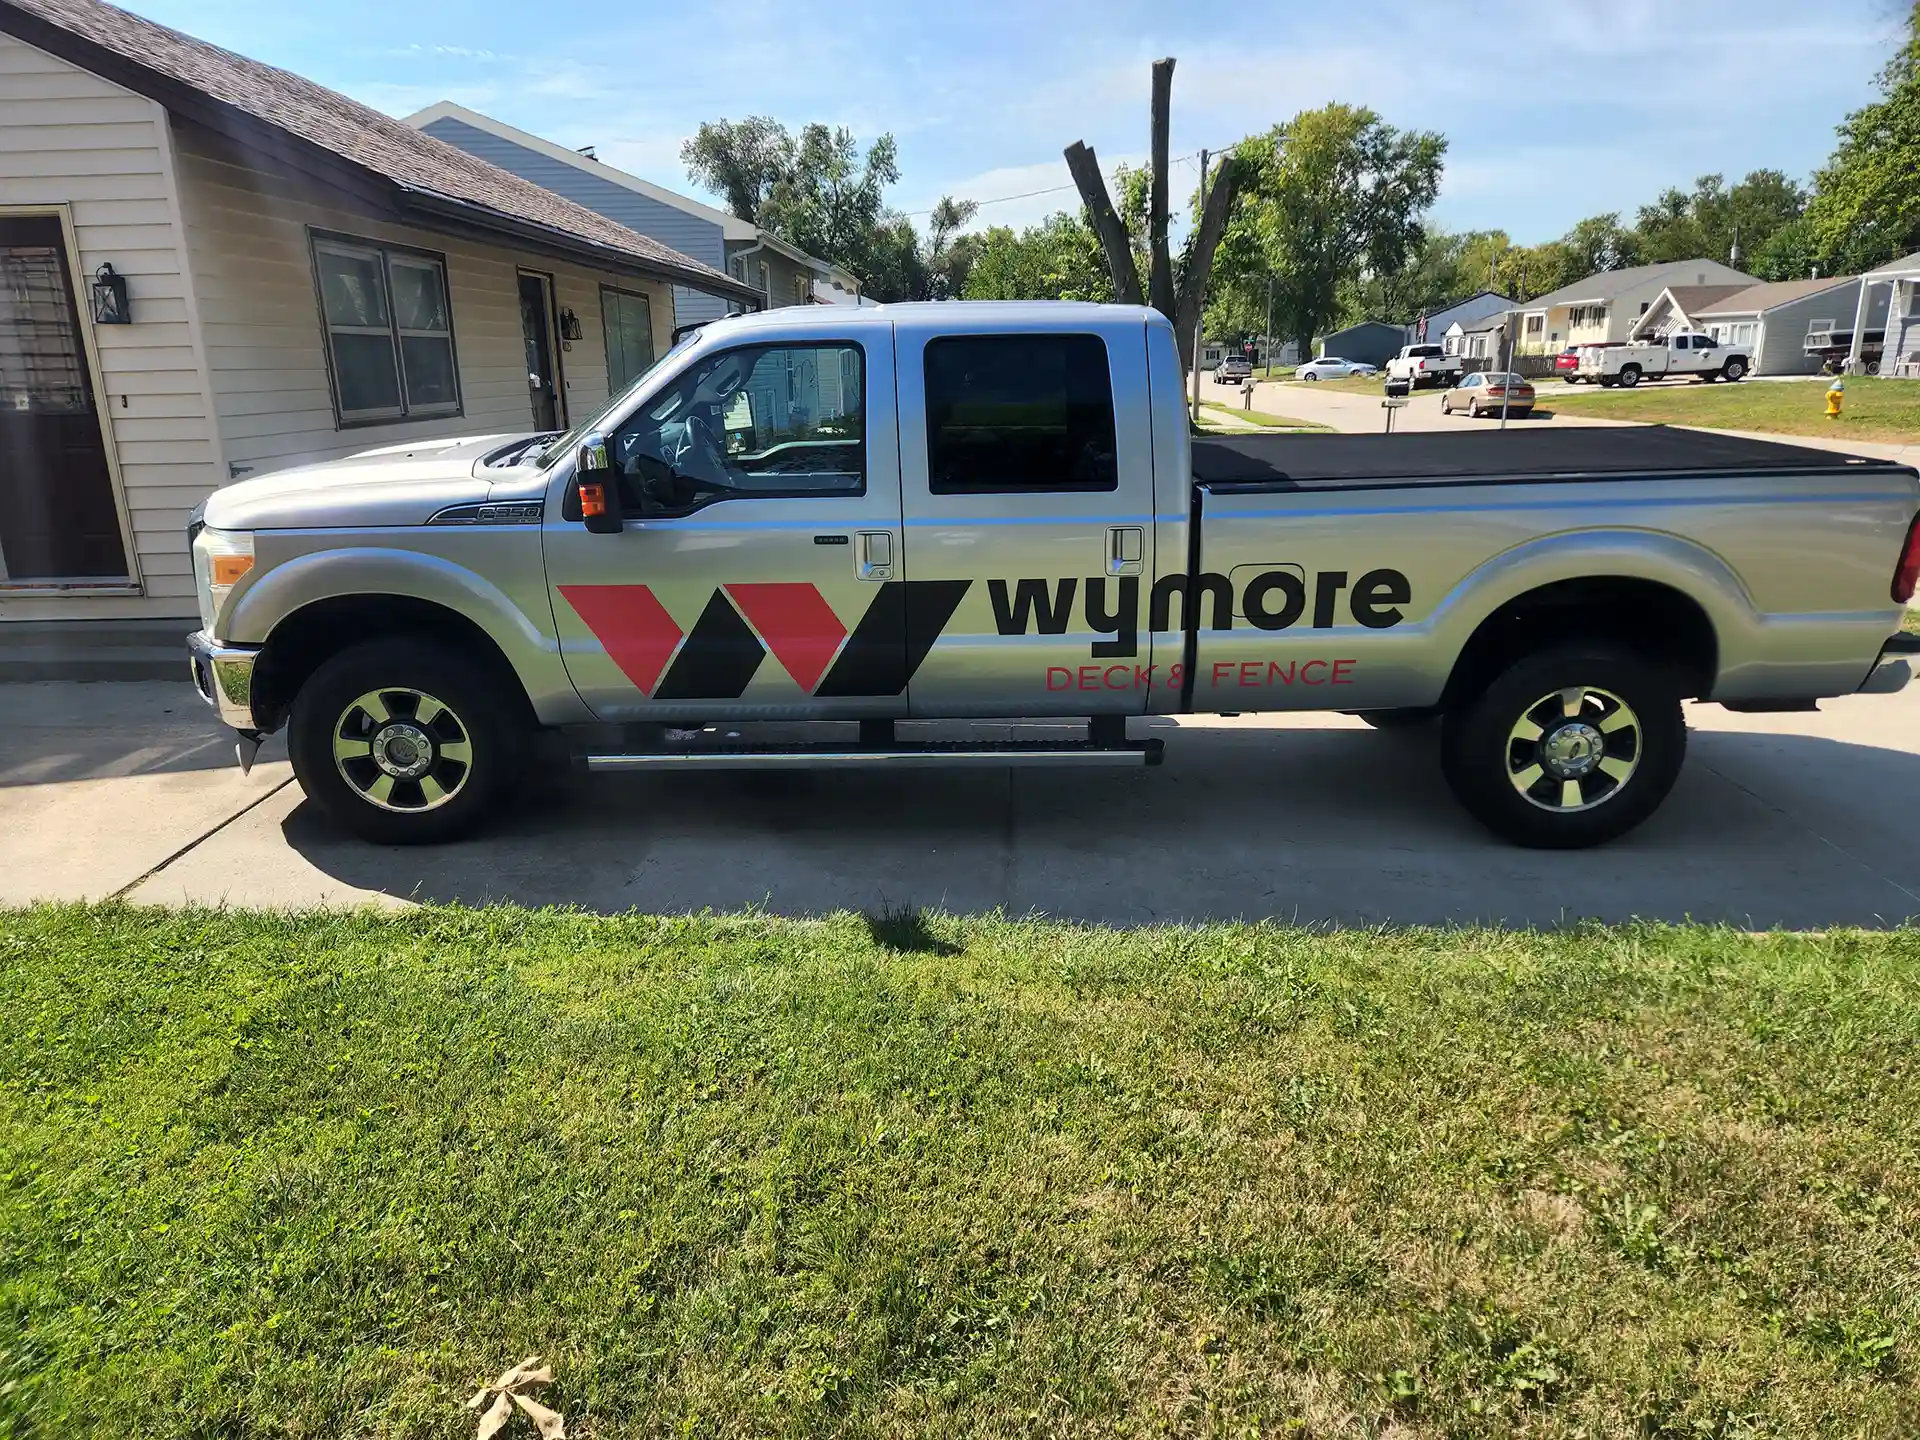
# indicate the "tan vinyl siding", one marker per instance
pixel 247 236
pixel 69 138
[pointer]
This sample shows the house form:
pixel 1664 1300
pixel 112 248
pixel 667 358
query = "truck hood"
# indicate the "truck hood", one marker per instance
pixel 394 485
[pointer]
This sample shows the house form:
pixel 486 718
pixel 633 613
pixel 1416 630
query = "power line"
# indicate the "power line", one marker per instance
pixel 1054 189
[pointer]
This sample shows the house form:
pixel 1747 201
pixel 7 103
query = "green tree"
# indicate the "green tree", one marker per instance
pixel 1792 252
pixel 1866 204
pixel 1332 194
pixel 816 190
pixel 1058 259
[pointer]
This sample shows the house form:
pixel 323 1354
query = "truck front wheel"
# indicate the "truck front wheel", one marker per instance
pixel 402 741
pixel 1734 369
pixel 1567 748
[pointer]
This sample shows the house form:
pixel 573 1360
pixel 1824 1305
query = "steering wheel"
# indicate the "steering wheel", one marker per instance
pixel 697 444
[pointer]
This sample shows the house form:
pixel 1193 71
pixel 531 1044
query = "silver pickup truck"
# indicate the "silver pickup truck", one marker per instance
pixel 802 529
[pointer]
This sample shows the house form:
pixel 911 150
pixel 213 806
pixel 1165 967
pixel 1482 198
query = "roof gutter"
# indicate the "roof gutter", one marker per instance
pixel 568 245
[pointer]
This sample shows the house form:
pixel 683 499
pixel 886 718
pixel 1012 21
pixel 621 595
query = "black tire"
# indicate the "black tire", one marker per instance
pixel 1629 375
pixel 1734 370
pixel 1411 719
pixel 1608 382
pixel 1486 759
pixel 1872 367
pixel 479 718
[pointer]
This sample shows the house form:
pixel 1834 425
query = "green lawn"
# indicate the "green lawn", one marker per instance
pixel 1354 384
pixel 320 1176
pixel 1875 409
pixel 1260 417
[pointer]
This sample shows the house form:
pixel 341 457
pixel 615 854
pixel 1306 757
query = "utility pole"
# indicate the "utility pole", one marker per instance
pixel 1269 339
pixel 1200 319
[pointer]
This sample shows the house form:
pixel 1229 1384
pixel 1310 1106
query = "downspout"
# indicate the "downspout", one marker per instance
pixel 766 301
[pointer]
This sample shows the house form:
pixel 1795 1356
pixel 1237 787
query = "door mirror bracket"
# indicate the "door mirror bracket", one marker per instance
pixel 599 487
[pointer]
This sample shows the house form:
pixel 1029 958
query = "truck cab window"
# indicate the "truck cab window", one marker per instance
pixel 1019 413
pixel 776 420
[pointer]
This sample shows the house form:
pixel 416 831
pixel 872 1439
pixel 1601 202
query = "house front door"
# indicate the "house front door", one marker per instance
pixel 58 522
pixel 543 376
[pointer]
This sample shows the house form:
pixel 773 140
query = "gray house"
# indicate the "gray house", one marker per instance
pixel 1373 341
pixel 781 273
pixel 1469 314
pixel 1902 279
pixel 1776 319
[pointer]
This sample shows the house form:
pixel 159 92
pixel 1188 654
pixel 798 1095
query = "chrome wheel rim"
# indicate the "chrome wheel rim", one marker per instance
pixel 1573 749
pixel 402 750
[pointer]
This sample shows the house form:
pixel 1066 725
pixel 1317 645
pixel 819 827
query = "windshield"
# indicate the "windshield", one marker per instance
pixel 560 445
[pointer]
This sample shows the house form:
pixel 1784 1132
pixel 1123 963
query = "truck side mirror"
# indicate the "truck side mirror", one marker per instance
pixel 599 487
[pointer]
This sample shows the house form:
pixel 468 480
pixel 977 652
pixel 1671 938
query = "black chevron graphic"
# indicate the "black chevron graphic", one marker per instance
pixel 717 659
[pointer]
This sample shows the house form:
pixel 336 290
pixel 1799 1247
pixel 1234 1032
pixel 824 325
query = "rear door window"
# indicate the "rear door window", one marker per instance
pixel 1019 413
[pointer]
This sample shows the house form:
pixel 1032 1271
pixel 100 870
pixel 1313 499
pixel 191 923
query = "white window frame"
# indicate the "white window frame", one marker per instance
pixel 385 256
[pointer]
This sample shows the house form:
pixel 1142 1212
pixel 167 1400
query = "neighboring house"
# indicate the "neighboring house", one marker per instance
pixel 1606 306
pixel 1773 321
pixel 1466 314
pixel 1487 339
pixel 1212 352
pixel 1902 282
pixel 783 274
pixel 1373 341
pixel 1675 308
pixel 304 278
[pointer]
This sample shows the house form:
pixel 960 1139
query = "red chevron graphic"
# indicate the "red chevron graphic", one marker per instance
pixel 635 627
pixel 797 625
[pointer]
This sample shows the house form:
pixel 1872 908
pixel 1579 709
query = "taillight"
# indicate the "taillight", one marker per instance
pixel 1907 577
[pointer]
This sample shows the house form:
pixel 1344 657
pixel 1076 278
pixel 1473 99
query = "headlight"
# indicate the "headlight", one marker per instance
pixel 220 558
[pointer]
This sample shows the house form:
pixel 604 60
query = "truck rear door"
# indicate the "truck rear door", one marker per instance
pixel 758 571
pixel 1027 492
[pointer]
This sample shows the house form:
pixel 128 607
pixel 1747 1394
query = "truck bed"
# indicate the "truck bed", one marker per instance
pixel 1651 452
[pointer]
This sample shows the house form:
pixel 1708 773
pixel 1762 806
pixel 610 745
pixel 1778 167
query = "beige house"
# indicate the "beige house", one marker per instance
pixel 211 269
pixel 1604 307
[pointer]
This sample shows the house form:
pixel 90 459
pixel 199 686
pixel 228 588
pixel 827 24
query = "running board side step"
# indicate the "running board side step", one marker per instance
pixel 891 757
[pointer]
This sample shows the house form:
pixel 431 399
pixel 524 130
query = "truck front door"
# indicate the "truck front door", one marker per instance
pixel 758 571
pixel 1027 492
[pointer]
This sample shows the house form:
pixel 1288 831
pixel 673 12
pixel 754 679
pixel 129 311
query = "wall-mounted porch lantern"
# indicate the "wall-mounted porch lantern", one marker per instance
pixel 569 325
pixel 110 298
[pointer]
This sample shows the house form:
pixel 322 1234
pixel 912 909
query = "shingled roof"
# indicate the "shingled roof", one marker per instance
pixel 320 132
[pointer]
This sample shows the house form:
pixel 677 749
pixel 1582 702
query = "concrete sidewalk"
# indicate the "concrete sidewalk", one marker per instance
pixel 1795 820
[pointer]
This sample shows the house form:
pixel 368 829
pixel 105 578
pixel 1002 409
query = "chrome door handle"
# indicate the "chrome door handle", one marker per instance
pixel 875 555
pixel 1126 549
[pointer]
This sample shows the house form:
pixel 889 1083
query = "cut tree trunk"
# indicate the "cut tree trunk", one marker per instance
pixel 1160 281
pixel 1213 223
pixel 1107 224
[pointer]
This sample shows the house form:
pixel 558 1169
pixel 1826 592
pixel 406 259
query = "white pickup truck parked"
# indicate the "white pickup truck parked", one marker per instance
pixel 817 523
pixel 1685 352
pixel 1425 365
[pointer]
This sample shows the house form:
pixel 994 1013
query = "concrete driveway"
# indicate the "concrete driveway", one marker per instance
pixel 1794 820
pixel 1355 414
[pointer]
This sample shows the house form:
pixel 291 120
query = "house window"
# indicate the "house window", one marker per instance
pixel 389 331
pixel 627 321
pixel 1535 324
pixel 766 281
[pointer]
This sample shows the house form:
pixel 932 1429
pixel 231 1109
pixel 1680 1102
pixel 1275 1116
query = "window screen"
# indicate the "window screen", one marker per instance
pixel 1010 413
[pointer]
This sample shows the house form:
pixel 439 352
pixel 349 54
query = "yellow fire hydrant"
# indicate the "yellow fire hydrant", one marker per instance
pixel 1836 392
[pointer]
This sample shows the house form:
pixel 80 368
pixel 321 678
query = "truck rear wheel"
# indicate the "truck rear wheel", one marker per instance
pixel 1629 375
pixel 1567 748
pixel 403 742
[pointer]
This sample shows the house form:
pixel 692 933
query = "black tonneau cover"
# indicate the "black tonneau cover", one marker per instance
pixel 1572 452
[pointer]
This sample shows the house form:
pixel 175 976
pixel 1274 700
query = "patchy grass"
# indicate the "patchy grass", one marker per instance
pixel 1875 409
pixel 1910 622
pixel 1262 418
pixel 321 1175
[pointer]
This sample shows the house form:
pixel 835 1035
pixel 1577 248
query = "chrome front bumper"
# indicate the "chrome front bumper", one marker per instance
pixel 223 674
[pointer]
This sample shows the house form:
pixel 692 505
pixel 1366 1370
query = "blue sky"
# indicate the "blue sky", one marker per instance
pixel 1577 108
